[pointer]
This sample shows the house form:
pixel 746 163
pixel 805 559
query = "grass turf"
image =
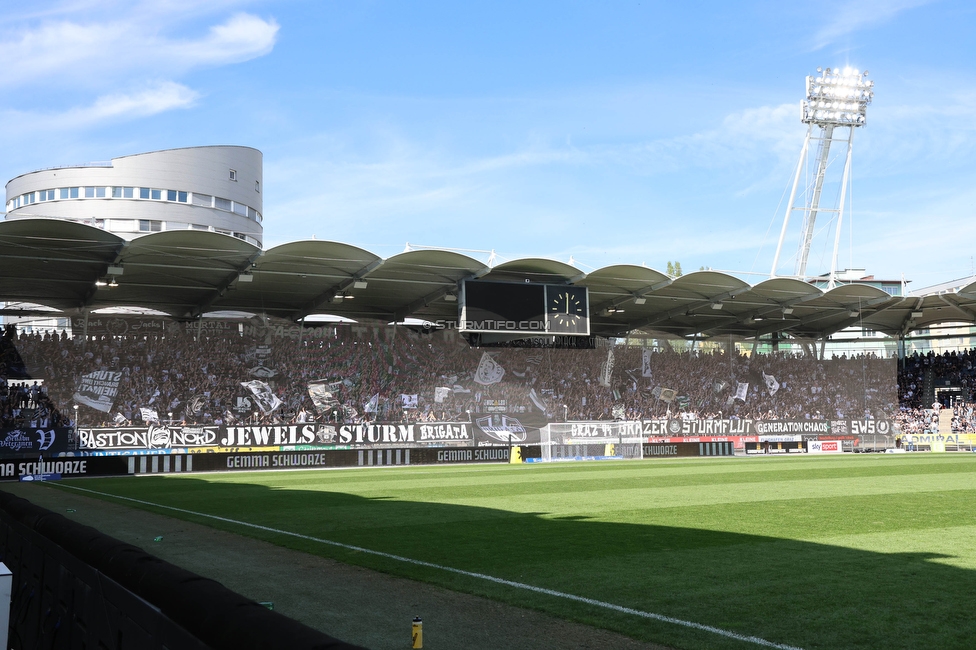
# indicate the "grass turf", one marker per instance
pixel 866 551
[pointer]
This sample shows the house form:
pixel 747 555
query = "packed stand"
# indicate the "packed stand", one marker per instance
pixel 385 373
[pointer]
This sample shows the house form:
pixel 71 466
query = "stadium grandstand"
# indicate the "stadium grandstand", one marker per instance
pixel 147 331
pixel 186 325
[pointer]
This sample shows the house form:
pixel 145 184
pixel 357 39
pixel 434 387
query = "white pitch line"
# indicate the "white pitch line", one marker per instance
pixel 471 574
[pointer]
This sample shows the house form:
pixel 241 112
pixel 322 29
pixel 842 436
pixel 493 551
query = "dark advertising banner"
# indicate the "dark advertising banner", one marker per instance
pixel 686 449
pixel 32 441
pixel 346 458
pixel 63 467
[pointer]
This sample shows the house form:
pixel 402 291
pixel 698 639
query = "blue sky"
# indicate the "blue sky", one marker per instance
pixel 624 132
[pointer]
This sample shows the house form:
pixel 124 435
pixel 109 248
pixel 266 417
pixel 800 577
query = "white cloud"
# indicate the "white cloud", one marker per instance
pixel 162 97
pixel 241 38
pixel 855 15
pixel 154 99
pixel 98 53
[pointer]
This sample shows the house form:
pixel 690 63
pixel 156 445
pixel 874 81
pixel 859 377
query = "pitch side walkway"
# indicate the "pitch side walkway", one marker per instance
pixel 354 604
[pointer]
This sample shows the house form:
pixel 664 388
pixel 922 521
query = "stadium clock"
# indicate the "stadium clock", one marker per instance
pixel 524 308
pixel 567 310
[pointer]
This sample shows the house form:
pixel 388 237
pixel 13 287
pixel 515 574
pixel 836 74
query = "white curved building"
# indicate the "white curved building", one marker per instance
pixel 216 188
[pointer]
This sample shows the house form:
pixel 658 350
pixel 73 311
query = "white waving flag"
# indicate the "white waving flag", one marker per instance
pixel 488 372
pixel 742 391
pixel 771 384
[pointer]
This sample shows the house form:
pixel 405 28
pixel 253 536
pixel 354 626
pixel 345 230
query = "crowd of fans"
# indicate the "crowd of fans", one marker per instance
pixel 385 373
pixel 956 369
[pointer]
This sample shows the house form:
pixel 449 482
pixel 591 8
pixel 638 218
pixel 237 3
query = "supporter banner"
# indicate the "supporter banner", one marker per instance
pixel 98 389
pixel 31 441
pixel 583 430
pixel 354 435
pixel 811 429
pixel 495 405
pixel 501 429
pixel 119 325
pixel 152 437
pixel 791 426
pixel 870 427
pixel 253 328
pixel 698 427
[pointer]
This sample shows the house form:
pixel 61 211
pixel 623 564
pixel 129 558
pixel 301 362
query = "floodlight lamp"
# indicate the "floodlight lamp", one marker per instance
pixel 717 305
pixel 450 297
pixel 101 283
pixel 917 314
pixel 360 284
pixel 640 301
pixel 854 313
pixel 113 283
pixel 787 311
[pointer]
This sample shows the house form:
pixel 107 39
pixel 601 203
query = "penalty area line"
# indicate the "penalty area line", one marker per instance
pixel 471 574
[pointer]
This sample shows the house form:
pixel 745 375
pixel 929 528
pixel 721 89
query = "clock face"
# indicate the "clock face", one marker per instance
pixel 567 309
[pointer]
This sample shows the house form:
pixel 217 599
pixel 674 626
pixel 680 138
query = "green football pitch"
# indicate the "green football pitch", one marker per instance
pixel 866 551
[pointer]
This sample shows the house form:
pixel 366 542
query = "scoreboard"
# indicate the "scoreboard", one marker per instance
pixel 524 308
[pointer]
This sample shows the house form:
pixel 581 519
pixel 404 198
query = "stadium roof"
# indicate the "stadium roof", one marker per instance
pixel 70 267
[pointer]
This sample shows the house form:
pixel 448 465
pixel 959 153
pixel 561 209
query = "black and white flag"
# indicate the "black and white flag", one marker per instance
pixel 264 397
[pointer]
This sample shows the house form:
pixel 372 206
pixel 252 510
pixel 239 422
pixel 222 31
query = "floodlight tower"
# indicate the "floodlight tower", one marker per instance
pixel 836 99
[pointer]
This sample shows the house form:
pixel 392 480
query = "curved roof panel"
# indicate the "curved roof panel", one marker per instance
pixel 415 283
pixel 53 262
pixel 298 278
pixel 181 272
pixel 535 269
pixel 186 273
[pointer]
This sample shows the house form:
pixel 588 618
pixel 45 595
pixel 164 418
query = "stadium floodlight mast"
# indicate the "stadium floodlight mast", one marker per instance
pixel 836 99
